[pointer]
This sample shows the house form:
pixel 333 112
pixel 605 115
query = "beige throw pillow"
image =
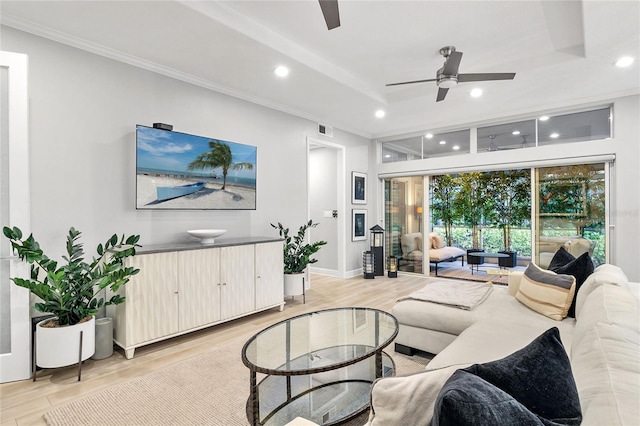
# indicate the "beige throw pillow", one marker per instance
pixel 546 292
pixel 437 242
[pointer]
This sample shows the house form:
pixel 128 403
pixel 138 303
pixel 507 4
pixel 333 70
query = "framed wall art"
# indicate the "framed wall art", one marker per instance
pixel 358 188
pixel 359 225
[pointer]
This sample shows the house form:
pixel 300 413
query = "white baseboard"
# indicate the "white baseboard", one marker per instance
pixel 333 273
pixel 354 273
pixel 323 271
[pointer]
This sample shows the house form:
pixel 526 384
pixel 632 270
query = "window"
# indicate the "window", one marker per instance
pixel 534 132
pixel 426 146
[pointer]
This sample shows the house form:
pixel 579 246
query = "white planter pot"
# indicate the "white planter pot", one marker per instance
pixel 59 346
pixel 293 284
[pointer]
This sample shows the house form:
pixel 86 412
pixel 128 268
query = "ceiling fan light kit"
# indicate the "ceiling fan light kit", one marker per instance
pixel 448 76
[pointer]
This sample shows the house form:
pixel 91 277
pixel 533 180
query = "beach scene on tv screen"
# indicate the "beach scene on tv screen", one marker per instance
pixel 181 171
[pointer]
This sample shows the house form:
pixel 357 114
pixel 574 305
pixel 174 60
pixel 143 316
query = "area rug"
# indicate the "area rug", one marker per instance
pixel 208 389
pixel 483 274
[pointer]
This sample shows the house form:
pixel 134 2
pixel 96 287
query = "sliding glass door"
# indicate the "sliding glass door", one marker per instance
pixel 570 211
pixel 533 212
pixel 403 221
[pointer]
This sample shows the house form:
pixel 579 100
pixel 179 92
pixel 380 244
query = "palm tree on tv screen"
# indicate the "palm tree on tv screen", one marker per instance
pixel 219 156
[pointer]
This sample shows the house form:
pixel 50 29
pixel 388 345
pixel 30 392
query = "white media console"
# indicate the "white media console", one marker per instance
pixel 186 287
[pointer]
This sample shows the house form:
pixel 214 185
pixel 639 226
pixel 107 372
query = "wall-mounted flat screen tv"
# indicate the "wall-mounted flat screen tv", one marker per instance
pixel 177 171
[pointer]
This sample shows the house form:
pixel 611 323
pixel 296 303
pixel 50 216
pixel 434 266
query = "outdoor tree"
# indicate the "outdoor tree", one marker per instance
pixel 472 203
pixel 510 194
pixel 443 193
pixel 220 156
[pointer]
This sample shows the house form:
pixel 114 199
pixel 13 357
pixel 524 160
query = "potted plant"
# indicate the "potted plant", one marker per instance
pixel 297 256
pixel 71 292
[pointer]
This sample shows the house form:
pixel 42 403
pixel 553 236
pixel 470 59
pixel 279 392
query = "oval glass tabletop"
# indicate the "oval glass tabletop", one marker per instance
pixel 299 345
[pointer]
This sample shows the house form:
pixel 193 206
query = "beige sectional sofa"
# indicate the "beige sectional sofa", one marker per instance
pixel 602 343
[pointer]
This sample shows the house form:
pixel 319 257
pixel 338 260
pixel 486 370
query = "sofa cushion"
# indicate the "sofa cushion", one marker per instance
pixel 546 292
pixel 538 377
pixel 436 255
pixel 580 268
pixel 607 304
pixel 603 274
pixel 491 339
pixel 607 372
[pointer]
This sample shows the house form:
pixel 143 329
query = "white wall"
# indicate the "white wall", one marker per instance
pixel 84 109
pixel 625 195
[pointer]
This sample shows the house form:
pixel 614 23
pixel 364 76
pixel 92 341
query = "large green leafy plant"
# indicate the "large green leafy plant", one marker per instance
pixel 297 253
pixel 70 292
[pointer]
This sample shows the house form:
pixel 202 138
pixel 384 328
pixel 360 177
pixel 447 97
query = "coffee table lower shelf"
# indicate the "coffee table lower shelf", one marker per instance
pixel 328 398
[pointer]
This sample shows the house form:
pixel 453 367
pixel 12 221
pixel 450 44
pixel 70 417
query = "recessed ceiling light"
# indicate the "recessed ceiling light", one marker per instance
pixel 476 93
pixel 515 132
pixel 429 135
pixel 281 71
pixel 544 118
pixel 554 135
pixel 625 61
pixel 380 113
pixel 456 147
pixel 443 142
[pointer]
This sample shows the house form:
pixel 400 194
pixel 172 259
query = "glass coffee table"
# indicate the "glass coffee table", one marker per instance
pixel 319 365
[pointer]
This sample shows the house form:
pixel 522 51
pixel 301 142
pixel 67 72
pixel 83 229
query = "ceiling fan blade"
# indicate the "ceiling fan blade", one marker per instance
pixel 452 64
pixel 487 76
pixel 331 13
pixel 410 82
pixel 442 92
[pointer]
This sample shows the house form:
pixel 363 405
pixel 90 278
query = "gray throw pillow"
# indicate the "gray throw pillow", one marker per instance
pixel 536 379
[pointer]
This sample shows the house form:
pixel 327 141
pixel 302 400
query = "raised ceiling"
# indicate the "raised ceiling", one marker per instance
pixel 562 53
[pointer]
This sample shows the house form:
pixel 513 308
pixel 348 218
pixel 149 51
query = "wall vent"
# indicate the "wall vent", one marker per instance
pixel 325 130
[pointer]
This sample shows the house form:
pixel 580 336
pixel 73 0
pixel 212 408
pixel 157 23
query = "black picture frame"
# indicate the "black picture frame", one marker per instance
pixel 358 188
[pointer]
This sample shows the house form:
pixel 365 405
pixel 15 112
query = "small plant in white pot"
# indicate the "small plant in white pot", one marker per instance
pixel 71 292
pixel 297 256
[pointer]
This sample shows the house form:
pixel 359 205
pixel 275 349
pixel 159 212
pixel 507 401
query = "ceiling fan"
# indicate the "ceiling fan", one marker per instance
pixel 447 76
pixel 331 13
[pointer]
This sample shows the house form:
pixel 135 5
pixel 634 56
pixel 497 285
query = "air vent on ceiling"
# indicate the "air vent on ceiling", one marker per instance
pixel 325 130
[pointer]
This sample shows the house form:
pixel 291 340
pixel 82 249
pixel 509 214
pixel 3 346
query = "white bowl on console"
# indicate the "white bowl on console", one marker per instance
pixel 206 236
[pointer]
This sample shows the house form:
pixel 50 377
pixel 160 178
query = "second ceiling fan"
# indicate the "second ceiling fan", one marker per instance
pixel 447 76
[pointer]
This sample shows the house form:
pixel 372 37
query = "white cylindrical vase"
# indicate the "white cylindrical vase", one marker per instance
pixel 60 346
pixel 293 284
pixel 104 338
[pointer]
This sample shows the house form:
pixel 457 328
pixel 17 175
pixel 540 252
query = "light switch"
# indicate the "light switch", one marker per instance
pixel 328 213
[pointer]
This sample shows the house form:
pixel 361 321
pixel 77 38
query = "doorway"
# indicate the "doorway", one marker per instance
pixel 15 324
pixel 326 205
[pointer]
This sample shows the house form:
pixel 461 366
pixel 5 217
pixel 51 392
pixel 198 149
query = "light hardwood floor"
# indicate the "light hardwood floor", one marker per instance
pixel 24 403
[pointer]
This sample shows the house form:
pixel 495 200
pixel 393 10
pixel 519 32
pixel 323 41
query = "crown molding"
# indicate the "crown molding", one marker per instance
pixel 107 52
